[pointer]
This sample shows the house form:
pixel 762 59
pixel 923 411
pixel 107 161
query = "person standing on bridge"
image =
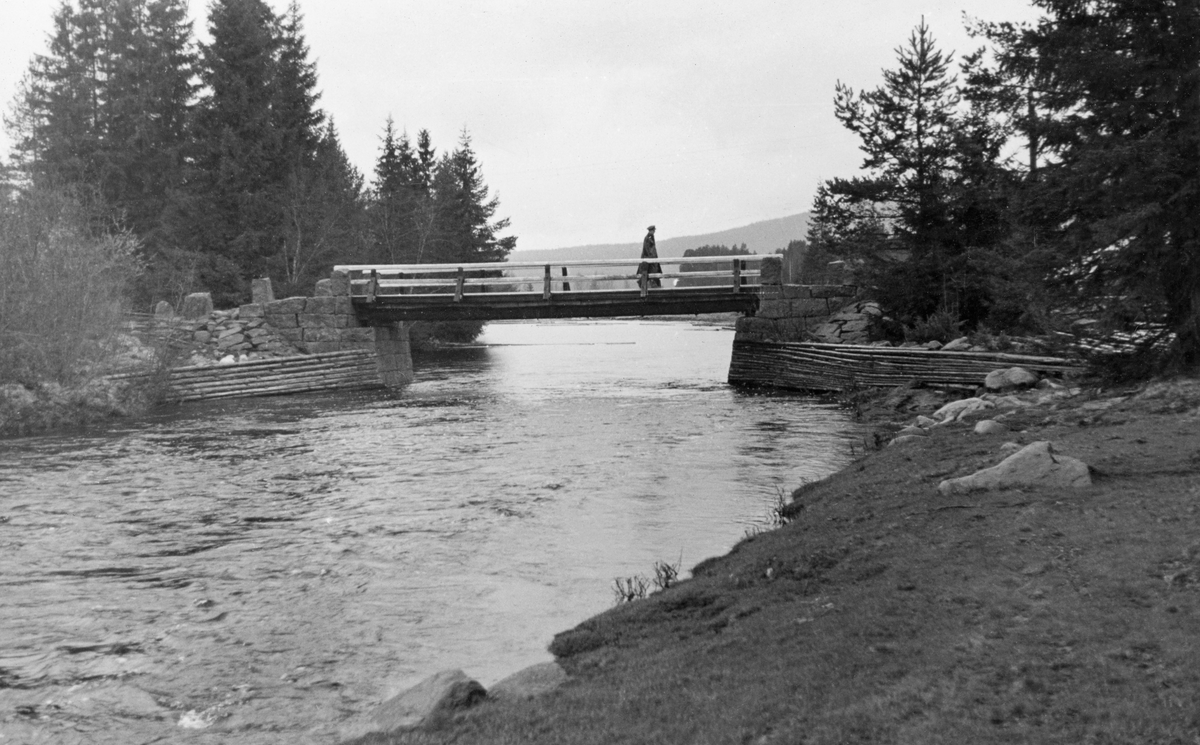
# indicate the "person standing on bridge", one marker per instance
pixel 650 251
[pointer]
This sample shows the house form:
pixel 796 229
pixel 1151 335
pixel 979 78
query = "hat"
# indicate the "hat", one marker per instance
pixel 650 228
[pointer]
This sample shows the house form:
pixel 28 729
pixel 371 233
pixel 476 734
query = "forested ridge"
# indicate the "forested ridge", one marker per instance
pixel 217 158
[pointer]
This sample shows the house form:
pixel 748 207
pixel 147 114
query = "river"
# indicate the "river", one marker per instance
pixel 261 570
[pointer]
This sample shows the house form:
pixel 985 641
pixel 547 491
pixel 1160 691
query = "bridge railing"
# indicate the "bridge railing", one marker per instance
pixel 736 274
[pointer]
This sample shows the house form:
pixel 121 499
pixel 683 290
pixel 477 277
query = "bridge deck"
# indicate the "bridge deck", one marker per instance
pixel 535 290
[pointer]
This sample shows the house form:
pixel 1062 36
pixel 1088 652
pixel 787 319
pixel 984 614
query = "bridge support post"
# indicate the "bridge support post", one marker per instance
pixel 393 355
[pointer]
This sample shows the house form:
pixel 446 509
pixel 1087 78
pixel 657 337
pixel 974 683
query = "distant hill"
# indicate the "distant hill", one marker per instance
pixel 760 237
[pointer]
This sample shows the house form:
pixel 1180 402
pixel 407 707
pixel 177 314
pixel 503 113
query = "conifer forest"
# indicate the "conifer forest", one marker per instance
pixel 217 158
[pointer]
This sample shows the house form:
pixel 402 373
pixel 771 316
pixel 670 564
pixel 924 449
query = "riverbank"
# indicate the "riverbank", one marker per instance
pixel 32 410
pixel 886 612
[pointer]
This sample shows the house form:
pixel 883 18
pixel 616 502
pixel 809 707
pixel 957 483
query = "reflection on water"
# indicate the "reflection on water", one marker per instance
pixel 257 571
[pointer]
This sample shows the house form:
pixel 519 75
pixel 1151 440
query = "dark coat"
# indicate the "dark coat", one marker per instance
pixel 650 251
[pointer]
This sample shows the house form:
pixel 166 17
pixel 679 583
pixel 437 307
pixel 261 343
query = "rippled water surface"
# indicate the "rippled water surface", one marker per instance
pixel 262 570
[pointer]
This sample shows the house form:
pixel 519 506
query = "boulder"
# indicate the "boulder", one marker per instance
pixel 530 682
pixel 1009 448
pixel 907 438
pixel 961 344
pixel 989 427
pixel 1008 401
pixel 163 309
pixel 933 345
pixel 197 305
pixel 961 409
pixel 439 694
pixel 912 429
pixel 1035 464
pixel 1013 377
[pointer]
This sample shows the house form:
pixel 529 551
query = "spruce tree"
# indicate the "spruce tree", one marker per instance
pixel 466 231
pixel 1116 200
pixel 55 116
pixel 396 200
pixel 926 205
pixel 151 93
pixel 103 114
pixel 297 117
pixel 425 161
pixel 233 217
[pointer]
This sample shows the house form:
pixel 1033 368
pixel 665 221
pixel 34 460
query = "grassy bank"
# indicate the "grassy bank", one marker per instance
pixel 885 612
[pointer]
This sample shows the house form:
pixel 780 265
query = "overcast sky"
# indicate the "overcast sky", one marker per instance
pixel 594 118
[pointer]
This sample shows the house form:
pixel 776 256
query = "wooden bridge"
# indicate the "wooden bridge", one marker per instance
pixel 385 294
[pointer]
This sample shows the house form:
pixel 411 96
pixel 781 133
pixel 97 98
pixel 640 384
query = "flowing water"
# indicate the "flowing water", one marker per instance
pixel 264 570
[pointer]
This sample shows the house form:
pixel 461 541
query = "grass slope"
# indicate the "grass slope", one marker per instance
pixel 886 613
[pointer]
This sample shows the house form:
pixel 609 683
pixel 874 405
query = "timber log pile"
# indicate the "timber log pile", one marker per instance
pixel 346 370
pixel 812 366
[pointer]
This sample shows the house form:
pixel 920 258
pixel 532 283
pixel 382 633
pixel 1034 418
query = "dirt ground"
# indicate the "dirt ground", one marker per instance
pixel 885 612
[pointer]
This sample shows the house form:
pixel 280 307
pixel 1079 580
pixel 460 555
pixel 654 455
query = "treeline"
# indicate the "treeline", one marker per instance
pixel 1054 173
pixel 218 159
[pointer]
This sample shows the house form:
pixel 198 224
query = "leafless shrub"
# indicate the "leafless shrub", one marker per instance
pixel 62 289
pixel 666 574
pixel 628 589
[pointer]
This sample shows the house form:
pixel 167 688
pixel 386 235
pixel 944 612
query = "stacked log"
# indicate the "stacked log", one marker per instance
pixel 811 366
pixel 352 369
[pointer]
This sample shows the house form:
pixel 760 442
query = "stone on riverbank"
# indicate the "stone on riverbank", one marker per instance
pixel 438 695
pixel 959 410
pixel 1013 377
pixel 990 427
pixel 1035 464
pixel 533 681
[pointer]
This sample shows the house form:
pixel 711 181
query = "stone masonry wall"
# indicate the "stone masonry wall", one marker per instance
pixel 790 313
pixel 323 323
pixel 795 313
